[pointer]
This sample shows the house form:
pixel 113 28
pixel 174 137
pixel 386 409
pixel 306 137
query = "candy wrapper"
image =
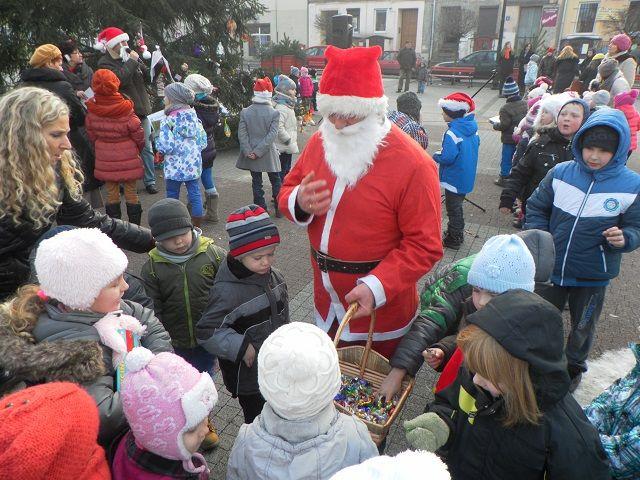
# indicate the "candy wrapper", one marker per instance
pixel 356 395
pixel 132 340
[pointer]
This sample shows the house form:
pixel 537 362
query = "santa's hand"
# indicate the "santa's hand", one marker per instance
pixel 133 54
pixel 312 197
pixel 363 296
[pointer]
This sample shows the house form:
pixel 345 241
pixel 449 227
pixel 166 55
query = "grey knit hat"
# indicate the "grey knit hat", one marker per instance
pixel 535 57
pixel 410 104
pixel 179 93
pixel 168 218
pixel 285 84
pixel 608 67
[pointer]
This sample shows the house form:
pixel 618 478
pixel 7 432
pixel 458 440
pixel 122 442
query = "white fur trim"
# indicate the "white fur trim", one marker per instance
pixel 116 40
pixel 453 105
pixel 138 358
pixel 262 94
pixel 376 287
pixel 146 54
pixel 291 204
pixel 196 405
pixel 350 105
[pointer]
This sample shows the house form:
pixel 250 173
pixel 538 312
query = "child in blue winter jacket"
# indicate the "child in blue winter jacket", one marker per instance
pixel 591 206
pixel 181 140
pixel 458 160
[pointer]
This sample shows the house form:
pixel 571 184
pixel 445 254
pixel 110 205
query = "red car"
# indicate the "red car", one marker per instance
pixel 315 57
pixel 390 66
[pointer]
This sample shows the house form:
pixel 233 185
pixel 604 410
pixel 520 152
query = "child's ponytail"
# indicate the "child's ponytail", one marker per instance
pixel 21 312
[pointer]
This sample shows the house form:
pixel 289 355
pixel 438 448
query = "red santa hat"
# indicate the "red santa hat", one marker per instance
pixel 109 38
pixel 457 102
pixel 351 84
pixel 263 88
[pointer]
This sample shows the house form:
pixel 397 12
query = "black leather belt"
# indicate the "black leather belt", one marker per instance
pixel 329 264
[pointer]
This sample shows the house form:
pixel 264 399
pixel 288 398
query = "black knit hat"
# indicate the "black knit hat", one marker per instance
pixel 167 218
pixel 410 104
pixel 601 136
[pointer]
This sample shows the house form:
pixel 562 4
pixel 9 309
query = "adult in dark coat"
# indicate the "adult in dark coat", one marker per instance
pixel 49 185
pixel 47 72
pixel 132 73
pixel 566 69
pixel 590 71
pixel 78 73
pixel 523 59
pixel 407 60
pixel 546 67
pixel 505 63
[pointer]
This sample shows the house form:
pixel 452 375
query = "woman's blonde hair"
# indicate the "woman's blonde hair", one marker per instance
pixel 29 190
pixel 567 52
pixel 20 313
pixel 485 356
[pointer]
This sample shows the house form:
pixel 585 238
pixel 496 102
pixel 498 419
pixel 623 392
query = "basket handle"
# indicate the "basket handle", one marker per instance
pixel 353 308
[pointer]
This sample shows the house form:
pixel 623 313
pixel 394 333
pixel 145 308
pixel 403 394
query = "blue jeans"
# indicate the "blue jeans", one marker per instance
pixel 507 154
pixel 147 155
pixel 285 165
pixel 198 357
pixel 207 180
pixel 193 193
pixel 258 190
pixel 421 84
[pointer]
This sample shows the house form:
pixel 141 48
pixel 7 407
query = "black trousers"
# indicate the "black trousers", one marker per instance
pixel 285 165
pixel 251 406
pixel 585 306
pixel 453 204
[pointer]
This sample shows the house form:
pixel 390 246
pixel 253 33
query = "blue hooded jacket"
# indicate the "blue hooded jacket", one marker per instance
pixel 577 204
pixel 458 158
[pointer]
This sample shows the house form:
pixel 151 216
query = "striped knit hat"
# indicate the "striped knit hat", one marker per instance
pixel 250 228
pixel 510 88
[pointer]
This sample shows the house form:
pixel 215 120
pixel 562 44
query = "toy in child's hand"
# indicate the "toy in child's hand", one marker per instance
pixel 356 395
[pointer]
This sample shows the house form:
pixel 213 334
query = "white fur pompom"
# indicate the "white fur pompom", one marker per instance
pixel 138 358
pixel 100 46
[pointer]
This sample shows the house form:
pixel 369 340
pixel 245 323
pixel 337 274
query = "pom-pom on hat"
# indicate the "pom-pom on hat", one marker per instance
pixel 622 41
pixel 625 98
pixel 503 263
pixel 401 467
pixel 510 88
pixel 263 88
pixel 75 265
pixel 345 94
pixel 109 38
pixel 457 104
pixel 198 84
pixel 250 228
pixel 44 54
pixel 163 397
pixel 298 370
pixel 50 432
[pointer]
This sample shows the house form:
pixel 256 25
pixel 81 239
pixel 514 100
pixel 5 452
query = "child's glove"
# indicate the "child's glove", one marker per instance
pixel 427 432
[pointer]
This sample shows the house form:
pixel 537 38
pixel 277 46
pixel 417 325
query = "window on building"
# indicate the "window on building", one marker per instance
pixel 586 17
pixel 260 36
pixel 487 21
pixel 355 13
pixel 381 20
pixel 324 24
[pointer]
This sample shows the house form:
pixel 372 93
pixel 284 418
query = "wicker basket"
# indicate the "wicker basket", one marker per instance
pixel 373 367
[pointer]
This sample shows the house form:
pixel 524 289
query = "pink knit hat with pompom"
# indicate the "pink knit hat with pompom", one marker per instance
pixel 163 397
pixel 626 98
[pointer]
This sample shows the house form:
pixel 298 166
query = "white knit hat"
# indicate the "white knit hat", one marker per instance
pixel 406 465
pixel 298 371
pixel 198 83
pixel 73 266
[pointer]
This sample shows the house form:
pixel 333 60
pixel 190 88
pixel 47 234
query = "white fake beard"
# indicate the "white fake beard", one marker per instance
pixel 350 152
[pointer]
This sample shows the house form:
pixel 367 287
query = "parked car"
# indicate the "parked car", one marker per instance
pixel 389 64
pixel 315 57
pixel 480 64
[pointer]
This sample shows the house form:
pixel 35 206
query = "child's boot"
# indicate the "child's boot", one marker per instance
pixel 453 241
pixel 211 439
pixel 134 212
pixel 211 207
pixel 113 210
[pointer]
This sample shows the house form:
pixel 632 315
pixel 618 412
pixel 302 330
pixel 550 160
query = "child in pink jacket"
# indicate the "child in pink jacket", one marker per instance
pixel 305 84
pixel 624 102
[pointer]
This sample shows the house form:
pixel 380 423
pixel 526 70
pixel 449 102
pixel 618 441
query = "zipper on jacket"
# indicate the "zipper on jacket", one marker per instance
pixel 187 304
pixel 573 228
pixel 604 260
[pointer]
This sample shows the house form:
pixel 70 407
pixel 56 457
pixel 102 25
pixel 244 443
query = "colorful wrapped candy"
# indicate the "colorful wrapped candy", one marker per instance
pixel 356 395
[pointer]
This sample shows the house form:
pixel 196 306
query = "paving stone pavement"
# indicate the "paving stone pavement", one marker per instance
pixel 618 324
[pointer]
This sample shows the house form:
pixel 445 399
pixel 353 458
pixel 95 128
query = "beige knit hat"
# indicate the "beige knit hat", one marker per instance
pixel 44 54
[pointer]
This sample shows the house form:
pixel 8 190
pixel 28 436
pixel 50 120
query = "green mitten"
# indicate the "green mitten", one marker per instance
pixel 427 432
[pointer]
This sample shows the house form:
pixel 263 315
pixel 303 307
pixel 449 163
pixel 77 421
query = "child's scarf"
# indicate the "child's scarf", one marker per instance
pixel 112 106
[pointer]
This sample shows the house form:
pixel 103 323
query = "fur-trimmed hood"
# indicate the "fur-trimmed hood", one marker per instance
pixel 78 361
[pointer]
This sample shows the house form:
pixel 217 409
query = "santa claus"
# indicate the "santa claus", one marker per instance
pixel 369 197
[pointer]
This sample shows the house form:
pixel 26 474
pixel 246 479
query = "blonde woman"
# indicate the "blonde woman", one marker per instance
pixel 42 184
pixel 566 69
pixel 509 413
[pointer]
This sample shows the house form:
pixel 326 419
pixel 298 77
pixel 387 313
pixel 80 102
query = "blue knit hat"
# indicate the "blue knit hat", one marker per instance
pixel 510 88
pixel 504 263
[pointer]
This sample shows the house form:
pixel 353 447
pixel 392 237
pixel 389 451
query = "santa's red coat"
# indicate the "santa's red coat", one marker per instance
pixel 392 214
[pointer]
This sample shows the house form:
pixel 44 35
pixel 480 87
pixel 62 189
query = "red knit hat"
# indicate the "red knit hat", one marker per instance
pixel 456 102
pixel 50 432
pixel 263 88
pixel 109 38
pixel 105 82
pixel 351 84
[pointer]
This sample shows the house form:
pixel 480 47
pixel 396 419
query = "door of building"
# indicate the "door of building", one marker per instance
pixel 408 26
